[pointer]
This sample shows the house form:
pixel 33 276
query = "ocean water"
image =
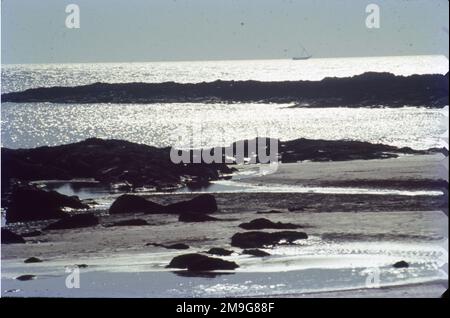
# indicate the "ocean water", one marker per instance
pixel 20 77
pixel 38 124
pixel 45 124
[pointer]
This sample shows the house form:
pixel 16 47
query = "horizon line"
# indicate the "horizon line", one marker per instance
pixel 219 60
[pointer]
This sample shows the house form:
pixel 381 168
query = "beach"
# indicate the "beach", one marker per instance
pixel 350 235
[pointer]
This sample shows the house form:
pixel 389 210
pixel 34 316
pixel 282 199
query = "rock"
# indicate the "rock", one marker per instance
pixel 28 203
pixel 204 203
pixel 261 239
pixel 219 251
pixel 401 264
pixel 198 262
pixel 26 277
pixel 201 204
pixel 31 233
pixel 134 204
pixel 106 161
pixel 32 260
pixel 259 224
pixel 195 217
pixel 132 222
pixel 81 265
pixel 9 237
pixel 256 252
pixel 74 221
pixel 177 246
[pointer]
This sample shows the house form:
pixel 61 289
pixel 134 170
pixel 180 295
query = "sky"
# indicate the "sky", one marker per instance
pixel 166 30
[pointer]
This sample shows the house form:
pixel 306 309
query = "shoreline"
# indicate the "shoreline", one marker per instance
pixel 347 236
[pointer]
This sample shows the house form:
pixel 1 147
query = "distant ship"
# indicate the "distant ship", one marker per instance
pixel 304 56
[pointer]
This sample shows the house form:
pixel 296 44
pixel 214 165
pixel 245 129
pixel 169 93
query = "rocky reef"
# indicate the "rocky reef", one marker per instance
pixel 136 165
pixel 107 161
pixel 369 89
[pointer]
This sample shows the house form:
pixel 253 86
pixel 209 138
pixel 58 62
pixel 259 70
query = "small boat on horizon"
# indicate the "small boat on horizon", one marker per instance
pixel 305 55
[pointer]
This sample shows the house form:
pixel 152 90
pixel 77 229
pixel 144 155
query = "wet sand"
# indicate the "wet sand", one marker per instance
pixel 349 234
pixel 405 172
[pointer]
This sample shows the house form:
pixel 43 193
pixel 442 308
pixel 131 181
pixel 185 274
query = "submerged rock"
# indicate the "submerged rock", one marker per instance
pixel 259 224
pixel 256 252
pixel 9 237
pixel 74 221
pixel 132 222
pixel 198 262
pixel 195 217
pixel 261 239
pixel 176 246
pixel 134 204
pixel 219 251
pixel 204 203
pixel 401 264
pixel 28 203
pixel 296 208
pixel 269 212
pixel 32 260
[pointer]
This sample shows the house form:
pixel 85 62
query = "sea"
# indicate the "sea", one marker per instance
pixel 29 125
pixel 363 246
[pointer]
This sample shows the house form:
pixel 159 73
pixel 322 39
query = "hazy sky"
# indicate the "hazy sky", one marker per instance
pixel 138 30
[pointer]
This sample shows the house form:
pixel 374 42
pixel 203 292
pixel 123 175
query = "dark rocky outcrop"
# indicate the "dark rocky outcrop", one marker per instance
pixel 259 224
pixel 28 203
pixel 198 262
pixel 219 251
pixel 261 149
pixel 116 161
pixel 134 204
pixel 106 161
pixel 195 217
pixel 255 252
pixel 204 203
pixel 260 239
pixel 401 264
pixel 74 221
pixel 26 277
pixel 132 222
pixel 32 260
pixel 9 237
pixel 368 89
